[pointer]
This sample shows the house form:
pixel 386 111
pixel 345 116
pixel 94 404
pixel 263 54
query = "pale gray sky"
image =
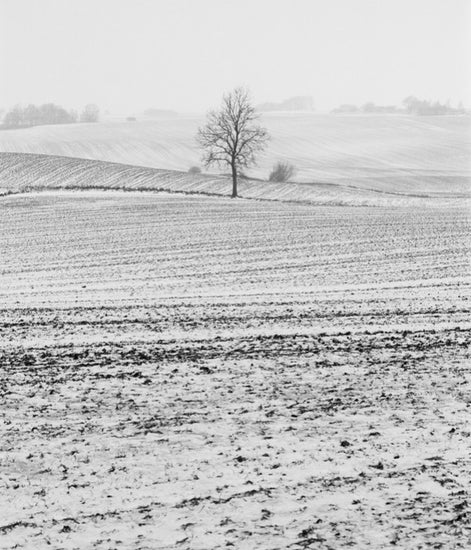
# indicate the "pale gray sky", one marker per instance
pixel 126 55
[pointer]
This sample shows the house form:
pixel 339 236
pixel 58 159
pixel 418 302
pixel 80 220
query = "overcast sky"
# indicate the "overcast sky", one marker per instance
pixel 127 55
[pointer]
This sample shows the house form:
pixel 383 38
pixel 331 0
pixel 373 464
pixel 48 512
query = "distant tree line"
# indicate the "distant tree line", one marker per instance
pixel 48 113
pixel 159 113
pixel 298 103
pixel 416 106
pixel 410 105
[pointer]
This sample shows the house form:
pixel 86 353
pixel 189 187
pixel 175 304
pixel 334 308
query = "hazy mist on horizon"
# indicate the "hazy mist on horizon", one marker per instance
pixel 128 55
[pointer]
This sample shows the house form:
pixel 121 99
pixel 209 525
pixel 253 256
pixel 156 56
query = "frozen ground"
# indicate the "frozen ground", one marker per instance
pixel 190 372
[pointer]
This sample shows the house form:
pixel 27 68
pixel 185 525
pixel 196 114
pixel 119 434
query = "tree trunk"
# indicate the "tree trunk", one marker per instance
pixel 234 181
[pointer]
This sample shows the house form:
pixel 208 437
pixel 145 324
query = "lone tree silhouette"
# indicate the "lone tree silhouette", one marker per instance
pixel 232 135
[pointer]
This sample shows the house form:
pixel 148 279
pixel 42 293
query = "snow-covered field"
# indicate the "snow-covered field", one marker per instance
pixel 198 372
pixel 20 172
pixel 388 153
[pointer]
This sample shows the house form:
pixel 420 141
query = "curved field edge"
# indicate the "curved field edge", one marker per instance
pixel 403 154
pixel 23 172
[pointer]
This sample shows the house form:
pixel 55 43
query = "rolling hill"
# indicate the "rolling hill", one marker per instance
pixel 403 154
pixel 23 172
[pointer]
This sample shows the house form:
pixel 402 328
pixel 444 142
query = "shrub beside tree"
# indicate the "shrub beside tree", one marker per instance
pixel 282 172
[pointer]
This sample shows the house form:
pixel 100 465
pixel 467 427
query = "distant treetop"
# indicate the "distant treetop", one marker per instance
pixel 91 113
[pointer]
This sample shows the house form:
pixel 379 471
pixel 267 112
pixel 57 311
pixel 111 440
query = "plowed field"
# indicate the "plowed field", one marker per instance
pixel 20 172
pixel 196 372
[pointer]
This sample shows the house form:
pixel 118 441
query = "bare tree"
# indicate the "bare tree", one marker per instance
pixel 231 135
